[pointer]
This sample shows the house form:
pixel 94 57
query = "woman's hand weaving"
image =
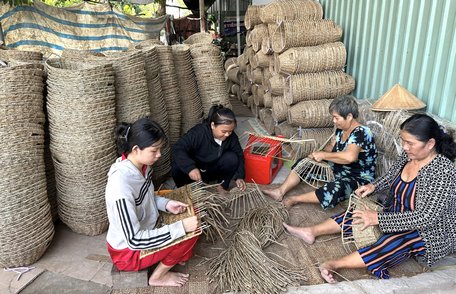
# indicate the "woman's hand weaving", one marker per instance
pixel 367 217
pixel 176 207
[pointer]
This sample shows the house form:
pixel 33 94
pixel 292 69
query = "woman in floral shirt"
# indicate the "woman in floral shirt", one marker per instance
pixel 352 155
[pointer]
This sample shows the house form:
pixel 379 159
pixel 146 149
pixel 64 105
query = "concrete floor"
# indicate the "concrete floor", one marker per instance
pixel 80 264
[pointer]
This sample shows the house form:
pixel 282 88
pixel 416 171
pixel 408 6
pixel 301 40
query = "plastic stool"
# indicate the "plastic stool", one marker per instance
pixel 263 159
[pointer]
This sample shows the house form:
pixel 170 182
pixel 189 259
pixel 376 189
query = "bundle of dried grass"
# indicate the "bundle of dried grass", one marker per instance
pixel 244 267
pixel 211 205
pixel 265 223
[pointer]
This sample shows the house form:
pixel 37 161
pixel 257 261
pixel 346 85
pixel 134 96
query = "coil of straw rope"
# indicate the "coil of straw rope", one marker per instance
pixel 299 33
pixel 26 228
pixel 360 238
pixel 311 114
pixel 290 10
pixel 331 56
pixel 252 16
pixel 320 85
pixel 81 106
pixel 199 38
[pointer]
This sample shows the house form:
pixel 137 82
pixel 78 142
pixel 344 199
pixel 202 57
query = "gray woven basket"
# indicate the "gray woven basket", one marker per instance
pixel 252 16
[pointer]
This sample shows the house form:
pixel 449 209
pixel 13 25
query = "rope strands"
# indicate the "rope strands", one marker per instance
pixel 265 223
pixel 244 267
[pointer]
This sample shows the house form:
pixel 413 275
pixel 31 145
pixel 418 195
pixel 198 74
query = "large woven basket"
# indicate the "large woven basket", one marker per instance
pixel 301 33
pixel 81 107
pixel 331 56
pixel 276 84
pixel 190 101
pixel 257 35
pixel 282 10
pixel 252 16
pixel 321 85
pixel 199 38
pixel 170 88
pixel 279 108
pixel 26 228
pixel 311 114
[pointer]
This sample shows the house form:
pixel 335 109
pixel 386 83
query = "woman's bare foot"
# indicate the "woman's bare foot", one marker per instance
pixel 274 193
pixel 326 273
pixel 169 279
pixel 289 202
pixel 304 233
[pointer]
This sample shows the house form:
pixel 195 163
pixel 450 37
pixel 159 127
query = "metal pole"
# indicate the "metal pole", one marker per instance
pixel 219 16
pixel 238 28
pixel 2 39
pixel 202 12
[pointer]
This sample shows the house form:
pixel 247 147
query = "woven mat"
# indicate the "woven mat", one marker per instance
pixel 295 250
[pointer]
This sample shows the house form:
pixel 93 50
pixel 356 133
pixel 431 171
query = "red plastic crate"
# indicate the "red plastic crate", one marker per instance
pixel 263 159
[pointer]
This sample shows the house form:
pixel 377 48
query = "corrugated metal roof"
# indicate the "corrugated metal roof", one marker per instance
pixel 411 42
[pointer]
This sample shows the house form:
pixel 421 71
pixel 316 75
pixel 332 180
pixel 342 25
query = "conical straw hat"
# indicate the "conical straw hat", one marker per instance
pixel 398 98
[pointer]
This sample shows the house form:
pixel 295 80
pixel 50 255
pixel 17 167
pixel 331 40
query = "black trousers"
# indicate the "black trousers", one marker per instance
pixel 221 170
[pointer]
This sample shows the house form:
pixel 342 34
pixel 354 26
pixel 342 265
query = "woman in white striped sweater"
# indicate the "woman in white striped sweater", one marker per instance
pixel 133 208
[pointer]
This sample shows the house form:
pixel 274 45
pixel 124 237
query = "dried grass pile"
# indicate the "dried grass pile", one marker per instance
pixel 244 267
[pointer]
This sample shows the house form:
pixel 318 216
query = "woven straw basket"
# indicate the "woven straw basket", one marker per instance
pixel 257 35
pixel 279 108
pixel 311 114
pixel 252 16
pixel 331 56
pixel 290 10
pixel 301 33
pixel 321 85
pixel 26 228
pixel 199 38
pixel 369 235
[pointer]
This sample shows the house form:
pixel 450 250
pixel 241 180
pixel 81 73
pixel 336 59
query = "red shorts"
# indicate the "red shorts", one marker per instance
pixel 129 260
